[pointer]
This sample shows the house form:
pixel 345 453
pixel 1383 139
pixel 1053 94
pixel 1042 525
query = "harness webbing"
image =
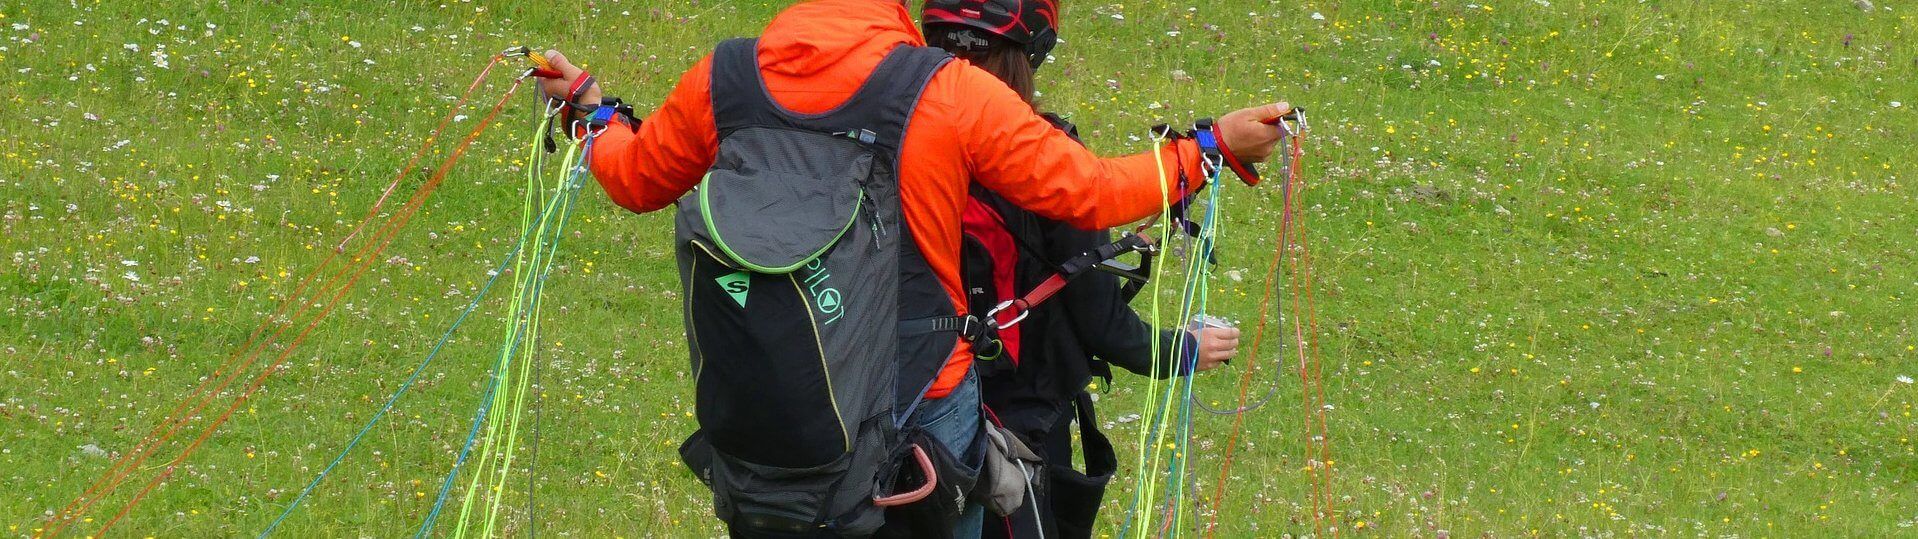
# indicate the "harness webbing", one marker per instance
pixel 1067 271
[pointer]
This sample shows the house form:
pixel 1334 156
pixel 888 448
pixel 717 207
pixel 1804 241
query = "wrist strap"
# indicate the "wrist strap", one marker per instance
pixel 579 87
pixel 598 116
pixel 1219 156
pixel 1206 135
pixel 1246 171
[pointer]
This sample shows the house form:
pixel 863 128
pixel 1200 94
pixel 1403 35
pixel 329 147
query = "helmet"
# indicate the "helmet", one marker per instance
pixel 1030 23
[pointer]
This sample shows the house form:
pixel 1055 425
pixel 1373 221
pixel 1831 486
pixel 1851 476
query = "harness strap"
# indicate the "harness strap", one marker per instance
pixel 972 328
pixel 969 327
pixel 1018 308
pixel 1101 459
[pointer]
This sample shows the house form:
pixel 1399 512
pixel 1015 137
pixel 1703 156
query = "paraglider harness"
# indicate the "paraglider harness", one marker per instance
pixel 1000 253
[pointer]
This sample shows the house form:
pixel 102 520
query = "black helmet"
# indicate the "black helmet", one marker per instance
pixel 966 23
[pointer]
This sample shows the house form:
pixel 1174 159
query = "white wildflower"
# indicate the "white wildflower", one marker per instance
pixel 1318 16
pixel 129 263
pixel 1903 379
pixel 131 276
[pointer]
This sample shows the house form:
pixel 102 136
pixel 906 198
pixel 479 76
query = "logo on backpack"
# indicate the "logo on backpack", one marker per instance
pixel 736 284
pixel 825 298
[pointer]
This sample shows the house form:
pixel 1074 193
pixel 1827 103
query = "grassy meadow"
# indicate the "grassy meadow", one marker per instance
pixel 1584 267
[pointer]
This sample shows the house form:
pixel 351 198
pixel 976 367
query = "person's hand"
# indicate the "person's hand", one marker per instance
pixel 569 73
pixel 1244 133
pixel 1217 346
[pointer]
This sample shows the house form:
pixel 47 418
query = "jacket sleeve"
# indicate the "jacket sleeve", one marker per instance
pixel 648 166
pixel 1104 323
pixel 1014 152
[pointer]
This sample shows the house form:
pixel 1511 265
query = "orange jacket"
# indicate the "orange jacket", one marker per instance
pixel 968 126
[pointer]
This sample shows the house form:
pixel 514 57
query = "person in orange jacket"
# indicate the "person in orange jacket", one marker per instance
pixel 1036 388
pixel 968 125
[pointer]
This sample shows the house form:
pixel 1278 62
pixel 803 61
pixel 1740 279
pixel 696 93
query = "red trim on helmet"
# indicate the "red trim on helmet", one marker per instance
pixel 1022 20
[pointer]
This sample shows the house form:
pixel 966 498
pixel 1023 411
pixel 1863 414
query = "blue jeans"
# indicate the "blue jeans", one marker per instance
pixel 955 421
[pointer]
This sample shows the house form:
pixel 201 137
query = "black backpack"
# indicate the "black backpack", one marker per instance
pixel 814 323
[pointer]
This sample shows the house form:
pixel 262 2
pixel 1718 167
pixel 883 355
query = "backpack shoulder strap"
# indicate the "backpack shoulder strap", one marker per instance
pixel 890 95
pixel 739 94
pixel 883 104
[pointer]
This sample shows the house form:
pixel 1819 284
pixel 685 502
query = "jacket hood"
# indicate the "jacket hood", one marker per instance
pixel 811 38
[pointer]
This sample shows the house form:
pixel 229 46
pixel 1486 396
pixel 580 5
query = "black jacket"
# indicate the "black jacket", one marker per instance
pixel 1067 339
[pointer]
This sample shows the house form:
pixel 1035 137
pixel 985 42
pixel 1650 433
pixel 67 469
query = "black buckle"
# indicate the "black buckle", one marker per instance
pixel 986 345
pixel 1209 147
pixel 1164 131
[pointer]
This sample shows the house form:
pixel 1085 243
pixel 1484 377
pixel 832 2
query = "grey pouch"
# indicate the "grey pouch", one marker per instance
pixel 1010 472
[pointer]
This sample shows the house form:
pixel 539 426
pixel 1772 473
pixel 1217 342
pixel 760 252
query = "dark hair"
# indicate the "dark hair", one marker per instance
pixel 1002 58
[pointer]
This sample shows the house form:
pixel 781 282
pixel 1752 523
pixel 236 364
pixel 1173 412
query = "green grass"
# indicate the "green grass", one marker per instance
pixel 1586 267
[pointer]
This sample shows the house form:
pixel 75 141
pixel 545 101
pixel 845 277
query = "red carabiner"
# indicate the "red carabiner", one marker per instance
pixel 903 498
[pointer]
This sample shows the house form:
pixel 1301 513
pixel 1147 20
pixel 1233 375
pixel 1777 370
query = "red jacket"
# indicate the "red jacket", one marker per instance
pixel 968 126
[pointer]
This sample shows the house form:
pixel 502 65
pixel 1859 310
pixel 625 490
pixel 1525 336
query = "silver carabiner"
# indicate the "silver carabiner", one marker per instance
pixel 992 316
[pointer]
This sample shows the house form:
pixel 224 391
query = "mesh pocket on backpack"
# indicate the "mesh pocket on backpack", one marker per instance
pixel 786 205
